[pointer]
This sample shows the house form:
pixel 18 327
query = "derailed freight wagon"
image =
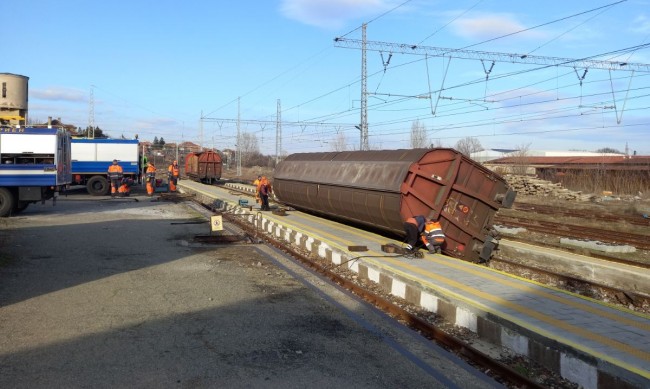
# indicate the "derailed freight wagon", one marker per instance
pixel 92 157
pixel 381 189
pixel 35 166
pixel 203 167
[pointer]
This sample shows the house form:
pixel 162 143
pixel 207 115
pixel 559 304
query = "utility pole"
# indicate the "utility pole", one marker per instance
pixel 91 114
pixel 364 92
pixel 278 134
pixel 238 138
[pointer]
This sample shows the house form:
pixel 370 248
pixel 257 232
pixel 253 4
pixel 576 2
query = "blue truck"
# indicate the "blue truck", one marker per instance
pixel 35 165
pixel 92 157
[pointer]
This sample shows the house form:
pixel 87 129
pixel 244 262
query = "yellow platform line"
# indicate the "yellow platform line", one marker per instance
pixel 545 318
pixel 481 272
pixel 484 272
pixel 471 268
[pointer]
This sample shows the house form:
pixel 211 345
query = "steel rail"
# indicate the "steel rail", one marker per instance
pixel 636 299
pixel 563 229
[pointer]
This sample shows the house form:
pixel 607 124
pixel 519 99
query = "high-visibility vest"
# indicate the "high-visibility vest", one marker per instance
pixel 115 172
pixel 433 233
pixel 151 173
pixel 173 170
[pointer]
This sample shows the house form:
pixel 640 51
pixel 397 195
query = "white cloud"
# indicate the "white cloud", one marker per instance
pixel 59 94
pixel 331 13
pixel 640 25
pixel 490 26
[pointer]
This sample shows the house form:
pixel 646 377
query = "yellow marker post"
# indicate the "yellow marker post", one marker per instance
pixel 216 223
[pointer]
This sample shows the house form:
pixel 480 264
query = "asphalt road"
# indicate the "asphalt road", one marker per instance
pixel 114 293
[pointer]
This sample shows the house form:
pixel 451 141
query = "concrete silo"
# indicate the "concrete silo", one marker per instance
pixel 13 99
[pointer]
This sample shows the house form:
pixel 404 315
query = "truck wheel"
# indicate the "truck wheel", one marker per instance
pixel 6 202
pixel 98 186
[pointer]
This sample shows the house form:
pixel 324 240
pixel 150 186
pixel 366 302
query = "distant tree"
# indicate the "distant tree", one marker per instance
pixel 418 135
pixel 248 147
pixel 161 142
pixel 468 145
pixel 339 143
pixel 608 150
pixel 97 133
pixel 156 142
pixel 257 159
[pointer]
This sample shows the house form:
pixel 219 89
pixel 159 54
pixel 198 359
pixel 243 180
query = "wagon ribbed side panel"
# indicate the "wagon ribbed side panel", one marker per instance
pixel 209 165
pixel 358 186
pixel 191 166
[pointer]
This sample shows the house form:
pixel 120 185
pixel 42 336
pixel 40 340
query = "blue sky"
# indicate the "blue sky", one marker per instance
pixel 157 67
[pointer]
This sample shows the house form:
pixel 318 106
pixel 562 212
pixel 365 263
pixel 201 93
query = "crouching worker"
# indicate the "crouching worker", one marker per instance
pixel 433 237
pixel 125 188
pixel 413 227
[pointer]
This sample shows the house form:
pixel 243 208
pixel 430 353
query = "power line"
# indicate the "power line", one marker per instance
pixel 545 24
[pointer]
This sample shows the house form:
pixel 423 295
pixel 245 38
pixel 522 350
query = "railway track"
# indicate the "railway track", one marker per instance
pixel 562 228
pixel 636 220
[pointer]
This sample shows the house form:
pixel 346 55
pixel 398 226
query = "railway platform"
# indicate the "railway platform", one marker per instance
pixel 587 342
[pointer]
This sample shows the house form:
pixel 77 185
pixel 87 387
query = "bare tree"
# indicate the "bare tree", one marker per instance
pixel 248 147
pixel 339 143
pixel 468 145
pixel 520 157
pixel 418 135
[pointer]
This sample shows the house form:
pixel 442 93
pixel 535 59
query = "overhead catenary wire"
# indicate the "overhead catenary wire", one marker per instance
pixel 348 112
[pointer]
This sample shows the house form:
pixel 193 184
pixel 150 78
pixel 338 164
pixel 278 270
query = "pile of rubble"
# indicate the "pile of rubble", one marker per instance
pixel 532 186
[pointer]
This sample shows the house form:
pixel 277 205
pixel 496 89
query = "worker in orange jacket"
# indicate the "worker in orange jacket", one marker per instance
pixel 115 176
pixel 264 191
pixel 173 173
pixel 150 177
pixel 429 231
pixel 257 189
pixel 125 188
pixel 433 236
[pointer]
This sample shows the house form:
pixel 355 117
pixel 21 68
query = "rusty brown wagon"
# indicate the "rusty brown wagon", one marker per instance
pixel 381 189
